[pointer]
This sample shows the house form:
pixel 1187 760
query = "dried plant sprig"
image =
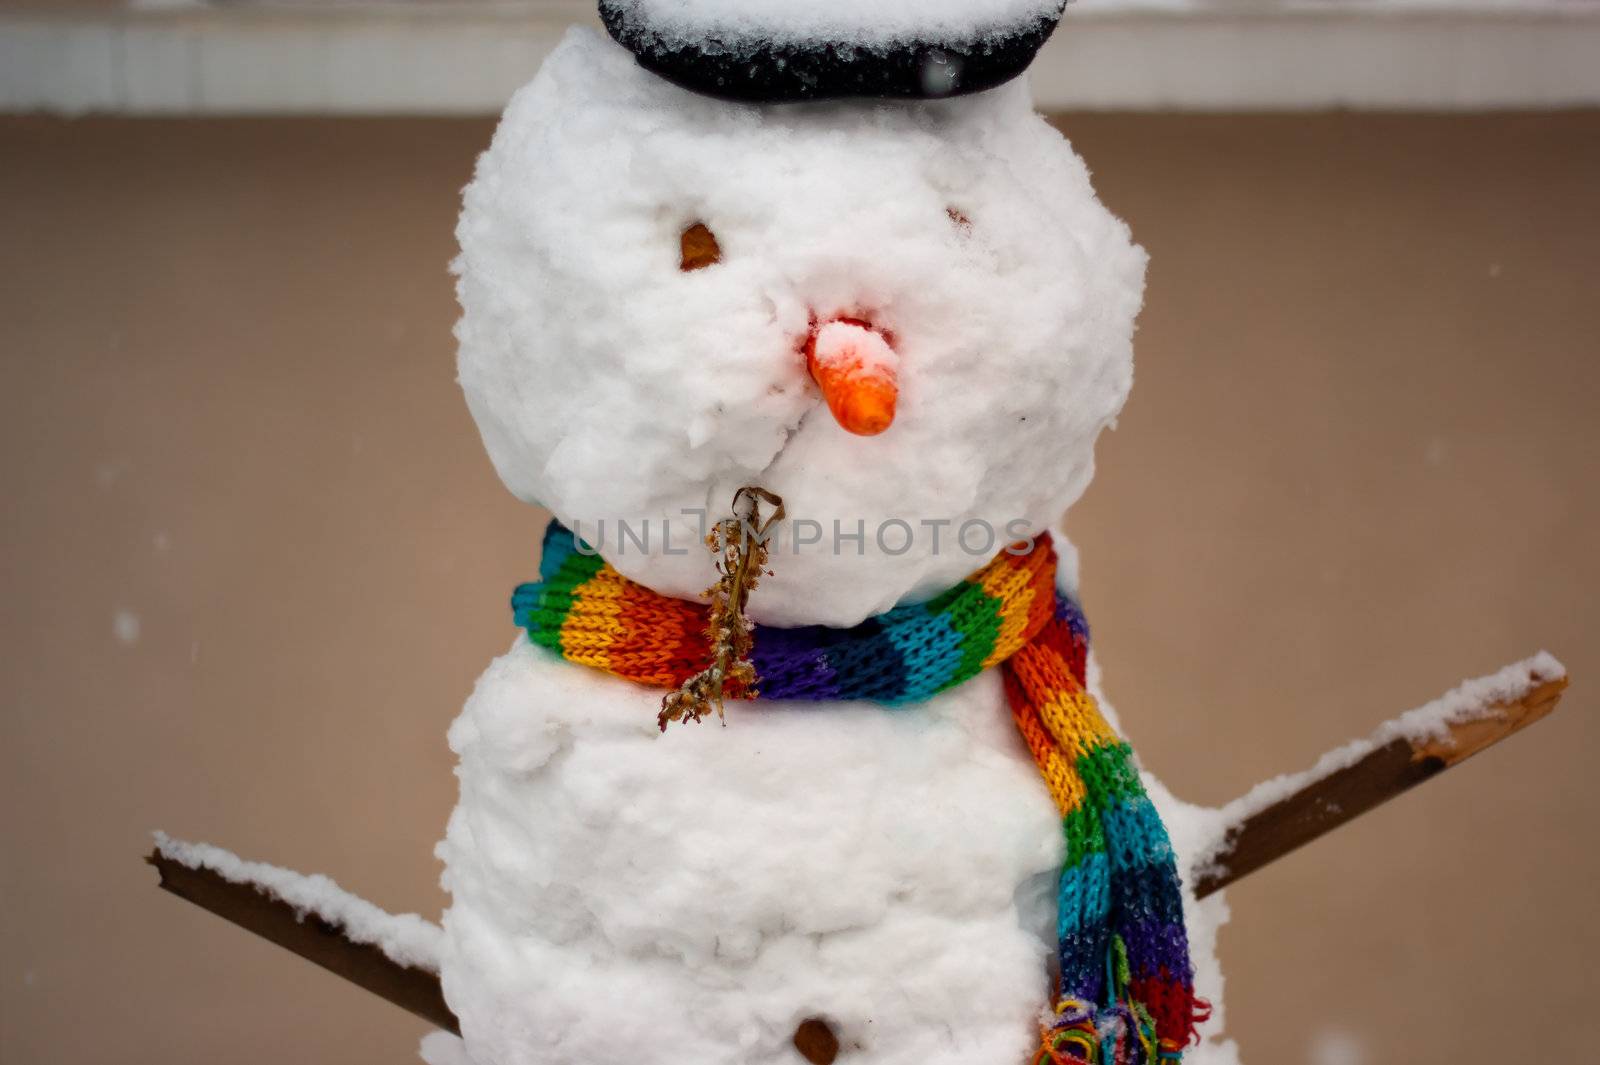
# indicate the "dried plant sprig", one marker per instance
pixel 740 546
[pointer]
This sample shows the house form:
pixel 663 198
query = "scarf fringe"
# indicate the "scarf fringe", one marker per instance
pixel 1120 1033
pixel 1123 1034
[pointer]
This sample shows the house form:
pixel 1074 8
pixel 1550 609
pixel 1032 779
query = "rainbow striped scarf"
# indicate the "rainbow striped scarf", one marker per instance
pixel 1126 986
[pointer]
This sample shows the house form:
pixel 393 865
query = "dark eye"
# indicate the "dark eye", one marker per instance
pixel 959 218
pixel 699 248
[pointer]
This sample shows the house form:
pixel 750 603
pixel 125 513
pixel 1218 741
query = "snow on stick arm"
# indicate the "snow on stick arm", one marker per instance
pixel 1283 814
pixel 396 957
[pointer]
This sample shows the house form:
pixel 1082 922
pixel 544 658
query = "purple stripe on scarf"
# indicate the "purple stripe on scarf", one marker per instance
pixel 1154 945
pixel 791 664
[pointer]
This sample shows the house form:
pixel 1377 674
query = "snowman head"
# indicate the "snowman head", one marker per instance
pixel 909 319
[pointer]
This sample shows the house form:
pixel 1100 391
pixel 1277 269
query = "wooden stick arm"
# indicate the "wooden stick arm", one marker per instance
pixel 317 939
pixel 1282 815
pixel 1265 824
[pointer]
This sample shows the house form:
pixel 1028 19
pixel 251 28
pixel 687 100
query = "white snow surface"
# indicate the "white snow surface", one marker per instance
pixel 442 1048
pixel 404 938
pixel 866 23
pixel 694 895
pixel 609 385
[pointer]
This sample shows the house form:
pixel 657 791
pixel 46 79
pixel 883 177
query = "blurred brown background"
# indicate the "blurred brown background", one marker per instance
pixel 254 557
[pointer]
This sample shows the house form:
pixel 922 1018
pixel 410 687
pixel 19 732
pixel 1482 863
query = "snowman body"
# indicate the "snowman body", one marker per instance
pixel 691 897
pixel 688 897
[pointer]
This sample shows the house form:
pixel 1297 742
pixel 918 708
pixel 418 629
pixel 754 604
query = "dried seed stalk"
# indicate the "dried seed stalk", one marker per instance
pixel 740 546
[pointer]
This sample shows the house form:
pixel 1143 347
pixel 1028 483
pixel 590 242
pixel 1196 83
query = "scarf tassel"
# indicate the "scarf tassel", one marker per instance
pixel 1122 1032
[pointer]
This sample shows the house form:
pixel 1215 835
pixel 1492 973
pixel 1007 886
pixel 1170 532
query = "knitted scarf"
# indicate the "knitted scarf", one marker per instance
pixel 1126 991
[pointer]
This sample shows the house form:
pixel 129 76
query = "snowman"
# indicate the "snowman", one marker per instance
pixel 823 253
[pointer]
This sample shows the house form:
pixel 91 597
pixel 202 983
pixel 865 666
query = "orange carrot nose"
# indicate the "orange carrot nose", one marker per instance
pixel 858 373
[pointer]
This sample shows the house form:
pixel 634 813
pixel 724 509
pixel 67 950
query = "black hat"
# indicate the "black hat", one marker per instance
pixel 712 60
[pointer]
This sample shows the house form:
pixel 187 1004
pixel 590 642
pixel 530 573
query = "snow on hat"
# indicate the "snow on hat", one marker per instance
pixel 783 50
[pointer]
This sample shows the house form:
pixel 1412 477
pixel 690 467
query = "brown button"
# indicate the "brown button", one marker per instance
pixel 816 1042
